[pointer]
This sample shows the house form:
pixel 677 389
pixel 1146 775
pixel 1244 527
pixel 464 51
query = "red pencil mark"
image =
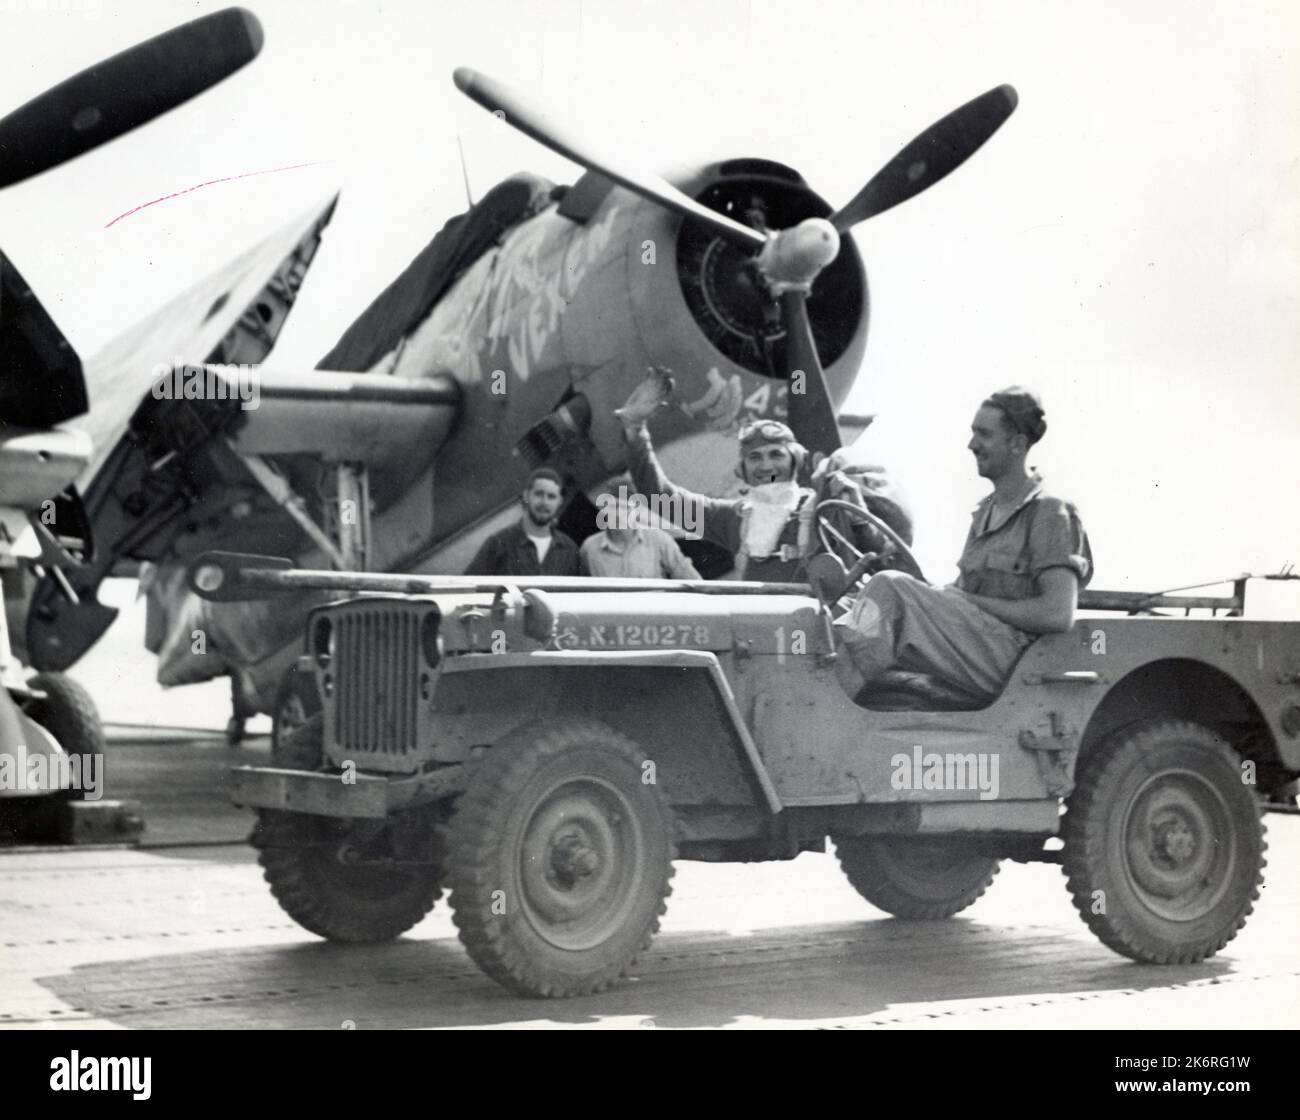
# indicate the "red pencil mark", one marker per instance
pixel 209 183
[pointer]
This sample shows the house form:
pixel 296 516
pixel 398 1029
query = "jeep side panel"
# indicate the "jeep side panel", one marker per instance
pixel 1068 690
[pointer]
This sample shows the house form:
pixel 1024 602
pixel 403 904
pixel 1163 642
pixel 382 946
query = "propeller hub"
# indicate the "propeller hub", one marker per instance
pixel 792 258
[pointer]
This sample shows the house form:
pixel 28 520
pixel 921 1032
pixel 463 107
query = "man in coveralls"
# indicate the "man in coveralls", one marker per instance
pixel 1025 559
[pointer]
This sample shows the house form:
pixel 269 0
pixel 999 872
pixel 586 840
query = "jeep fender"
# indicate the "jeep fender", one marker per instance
pixel 677 705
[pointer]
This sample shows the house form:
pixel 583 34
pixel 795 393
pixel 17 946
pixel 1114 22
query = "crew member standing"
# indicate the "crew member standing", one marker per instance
pixel 628 547
pixel 532 546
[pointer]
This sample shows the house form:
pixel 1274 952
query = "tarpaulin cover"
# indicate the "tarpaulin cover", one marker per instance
pixel 400 307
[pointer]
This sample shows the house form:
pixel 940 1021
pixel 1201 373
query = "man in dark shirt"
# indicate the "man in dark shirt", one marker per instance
pixel 532 546
pixel 1026 557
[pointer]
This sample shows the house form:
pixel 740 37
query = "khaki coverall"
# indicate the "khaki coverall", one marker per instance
pixel 898 622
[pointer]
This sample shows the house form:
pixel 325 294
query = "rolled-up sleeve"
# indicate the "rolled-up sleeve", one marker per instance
pixel 1057 540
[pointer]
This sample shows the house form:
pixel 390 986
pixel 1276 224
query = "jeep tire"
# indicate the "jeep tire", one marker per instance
pixel 1164 842
pixel 910 878
pixel 560 859
pixel 322 870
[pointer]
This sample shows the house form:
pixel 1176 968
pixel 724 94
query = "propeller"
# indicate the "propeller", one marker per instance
pixel 125 91
pixel 788 261
pixel 810 410
pixel 940 149
pixel 500 100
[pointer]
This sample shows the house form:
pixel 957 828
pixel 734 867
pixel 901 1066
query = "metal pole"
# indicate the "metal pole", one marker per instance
pixel 272 579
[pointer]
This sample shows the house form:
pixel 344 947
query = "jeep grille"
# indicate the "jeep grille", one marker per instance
pixel 377 679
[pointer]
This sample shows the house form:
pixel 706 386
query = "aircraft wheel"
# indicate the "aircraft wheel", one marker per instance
pixel 560 859
pixel 69 714
pixel 343 880
pixel 914 878
pixel 1164 843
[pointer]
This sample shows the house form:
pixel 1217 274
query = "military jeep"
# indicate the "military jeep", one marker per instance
pixel 545 749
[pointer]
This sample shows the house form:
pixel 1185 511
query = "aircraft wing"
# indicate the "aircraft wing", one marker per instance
pixel 228 454
pixel 233 315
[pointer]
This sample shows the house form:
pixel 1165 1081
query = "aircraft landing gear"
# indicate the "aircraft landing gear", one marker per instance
pixel 52 772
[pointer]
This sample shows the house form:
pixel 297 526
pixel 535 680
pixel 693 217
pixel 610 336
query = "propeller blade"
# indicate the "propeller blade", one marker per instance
pixel 125 91
pixel 811 412
pixel 940 149
pixel 502 101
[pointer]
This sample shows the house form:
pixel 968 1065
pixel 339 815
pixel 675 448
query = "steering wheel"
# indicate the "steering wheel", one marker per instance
pixel 836 543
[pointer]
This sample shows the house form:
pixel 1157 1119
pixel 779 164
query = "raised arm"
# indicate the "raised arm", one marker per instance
pixel 713 519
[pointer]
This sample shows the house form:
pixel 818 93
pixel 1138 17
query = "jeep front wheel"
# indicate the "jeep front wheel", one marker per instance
pixel 1164 844
pixel 911 878
pixel 559 859
pixel 344 880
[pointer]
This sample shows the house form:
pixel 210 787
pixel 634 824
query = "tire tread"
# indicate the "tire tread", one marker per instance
pixel 500 779
pixel 873 882
pixel 283 859
pixel 1084 842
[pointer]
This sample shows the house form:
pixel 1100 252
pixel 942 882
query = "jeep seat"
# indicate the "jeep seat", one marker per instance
pixel 898 690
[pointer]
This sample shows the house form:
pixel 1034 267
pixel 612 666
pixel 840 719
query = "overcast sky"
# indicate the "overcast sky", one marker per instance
pixel 1127 243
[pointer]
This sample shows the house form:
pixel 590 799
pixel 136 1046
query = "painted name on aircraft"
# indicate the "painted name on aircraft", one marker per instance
pixel 547 292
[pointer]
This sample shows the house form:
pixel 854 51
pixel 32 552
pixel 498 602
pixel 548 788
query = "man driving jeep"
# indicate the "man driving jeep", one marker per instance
pixel 1025 559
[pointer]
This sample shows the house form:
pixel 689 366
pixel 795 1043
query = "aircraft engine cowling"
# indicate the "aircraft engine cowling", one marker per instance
pixel 700 310
pixel 723 291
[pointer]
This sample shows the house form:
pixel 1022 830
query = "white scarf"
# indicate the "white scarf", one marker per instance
pixel 770 506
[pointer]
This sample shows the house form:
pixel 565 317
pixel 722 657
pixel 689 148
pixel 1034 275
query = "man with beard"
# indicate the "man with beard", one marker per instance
pixel 1026 557
pixel 769 530
pixel 532 546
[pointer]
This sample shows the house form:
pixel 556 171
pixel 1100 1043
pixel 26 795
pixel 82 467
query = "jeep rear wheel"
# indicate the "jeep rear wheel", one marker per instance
pixel 1164 843
pixel 914 878
pixel 337 878
pixel 559 859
